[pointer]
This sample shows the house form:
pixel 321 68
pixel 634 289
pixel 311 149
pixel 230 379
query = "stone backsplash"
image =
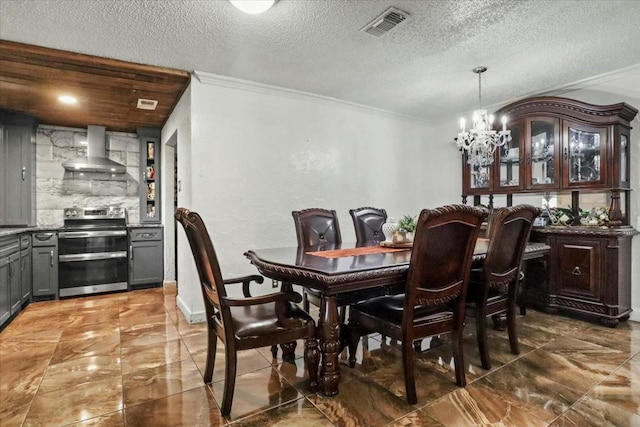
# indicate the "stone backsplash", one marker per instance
pixel 57 189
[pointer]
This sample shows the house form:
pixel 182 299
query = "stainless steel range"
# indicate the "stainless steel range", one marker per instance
pixel 93 251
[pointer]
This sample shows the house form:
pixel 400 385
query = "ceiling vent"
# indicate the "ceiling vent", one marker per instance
pixel 385 22
pixel 147 104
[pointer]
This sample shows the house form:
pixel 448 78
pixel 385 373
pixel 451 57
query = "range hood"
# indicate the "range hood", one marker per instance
pixel 96 160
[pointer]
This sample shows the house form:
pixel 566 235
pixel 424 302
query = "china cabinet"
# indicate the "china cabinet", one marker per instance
pixel 149 175
pixel 566 146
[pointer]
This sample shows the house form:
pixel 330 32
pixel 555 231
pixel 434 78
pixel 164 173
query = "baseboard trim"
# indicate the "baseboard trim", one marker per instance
pixel 190 316
pixel 634 316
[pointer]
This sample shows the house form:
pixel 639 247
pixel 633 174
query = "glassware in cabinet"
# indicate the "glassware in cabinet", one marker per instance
pixel 150 174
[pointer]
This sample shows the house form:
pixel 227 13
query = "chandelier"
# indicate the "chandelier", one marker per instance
pixel 481 140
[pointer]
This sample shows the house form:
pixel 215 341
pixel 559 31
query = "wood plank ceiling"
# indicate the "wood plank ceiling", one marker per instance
pixel 32 78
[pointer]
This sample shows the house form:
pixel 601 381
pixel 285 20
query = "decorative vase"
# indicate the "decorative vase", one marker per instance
pixel 388 228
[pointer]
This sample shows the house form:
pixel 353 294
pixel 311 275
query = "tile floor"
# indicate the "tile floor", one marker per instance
pixel 131 359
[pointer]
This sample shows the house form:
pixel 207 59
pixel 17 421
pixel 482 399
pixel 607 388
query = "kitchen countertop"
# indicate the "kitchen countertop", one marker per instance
pixel 19 230
pixel 11 231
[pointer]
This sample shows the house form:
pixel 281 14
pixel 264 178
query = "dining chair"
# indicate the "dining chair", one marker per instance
pixel 244 323
pixel 316 227
pixel 367 223
pixel 433 302
pixel 493 288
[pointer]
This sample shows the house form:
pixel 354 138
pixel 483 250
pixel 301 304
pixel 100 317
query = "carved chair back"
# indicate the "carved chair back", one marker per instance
pixel 367 223
pixel 316 227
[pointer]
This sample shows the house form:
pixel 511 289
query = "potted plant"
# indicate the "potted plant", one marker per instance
pixel 407 226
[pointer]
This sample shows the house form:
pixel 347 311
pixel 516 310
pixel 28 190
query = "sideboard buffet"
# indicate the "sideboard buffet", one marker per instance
pixel 569 148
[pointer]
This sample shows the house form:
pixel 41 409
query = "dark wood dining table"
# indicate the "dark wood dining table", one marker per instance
pixel 336 269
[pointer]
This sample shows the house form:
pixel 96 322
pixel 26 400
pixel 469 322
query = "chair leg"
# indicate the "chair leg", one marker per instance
pixel 305 301
pixel 288 351
pixel 212 343
pixel 343 314
pixel 312 359
pixel 409 375
pixel 522 300
pixel 458 357
pixel 354 339
pixel 229 380
pixel 481 334
pixel 417 346
pixel 274 351
pixel 512 329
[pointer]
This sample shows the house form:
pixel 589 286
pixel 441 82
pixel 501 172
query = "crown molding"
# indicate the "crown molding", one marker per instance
pixel 251 86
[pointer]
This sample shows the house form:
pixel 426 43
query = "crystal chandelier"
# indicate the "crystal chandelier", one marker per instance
pixel 481 140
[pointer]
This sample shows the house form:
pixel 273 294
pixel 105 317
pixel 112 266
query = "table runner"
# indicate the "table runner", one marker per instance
pixel 365 250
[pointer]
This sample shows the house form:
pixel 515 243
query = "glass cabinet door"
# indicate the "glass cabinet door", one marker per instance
pixel 480 177
pixel 624 160
pixel 476 178
pixel 542 152
pixel 508 160
pixel 584 155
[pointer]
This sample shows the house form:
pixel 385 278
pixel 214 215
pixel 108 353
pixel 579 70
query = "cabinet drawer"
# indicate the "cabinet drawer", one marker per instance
pixel 25 241
pixel 9 245
pixel 145 234
pixel 48 238
pixel 580 268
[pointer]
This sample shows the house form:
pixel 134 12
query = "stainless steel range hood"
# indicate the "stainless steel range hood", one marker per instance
pixel 96 160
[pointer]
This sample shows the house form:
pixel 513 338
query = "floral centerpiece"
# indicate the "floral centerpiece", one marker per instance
pixel 406 228
pixel 407 224
pixel 597 216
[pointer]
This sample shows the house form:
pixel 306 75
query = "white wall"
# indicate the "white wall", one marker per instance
pixel 178 127
pixel 257 153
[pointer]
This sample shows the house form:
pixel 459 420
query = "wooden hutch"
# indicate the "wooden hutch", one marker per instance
pixel 570 148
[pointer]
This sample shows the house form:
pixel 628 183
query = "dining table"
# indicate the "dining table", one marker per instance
pixel 335 269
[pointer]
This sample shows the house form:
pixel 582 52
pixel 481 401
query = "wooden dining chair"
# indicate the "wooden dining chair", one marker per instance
pixel 315 227
pixel 244 323
pixel 433 302
pixel 367 223
pixel 493 289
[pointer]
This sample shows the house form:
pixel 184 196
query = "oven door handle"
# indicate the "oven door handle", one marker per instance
pixel 85 234
pixel 92 256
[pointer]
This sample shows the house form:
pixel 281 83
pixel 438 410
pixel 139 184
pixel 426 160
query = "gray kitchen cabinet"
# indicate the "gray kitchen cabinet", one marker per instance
pixel 9 277
pixel 25 267
pixel 149 175
pixel 17 168
pixel 145 257
pixel 45 264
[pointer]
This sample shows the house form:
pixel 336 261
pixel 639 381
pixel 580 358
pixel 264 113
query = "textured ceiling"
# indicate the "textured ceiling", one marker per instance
pixel 421 68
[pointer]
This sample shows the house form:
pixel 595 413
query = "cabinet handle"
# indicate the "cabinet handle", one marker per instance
pixel 576 271
pixel 565 156
pixel 51 258
pixel 130 251
pixel 24 172
pixel 144 176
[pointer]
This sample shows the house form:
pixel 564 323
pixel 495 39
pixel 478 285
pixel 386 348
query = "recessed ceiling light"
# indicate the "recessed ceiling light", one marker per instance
pixel 253 7
pixel 68 99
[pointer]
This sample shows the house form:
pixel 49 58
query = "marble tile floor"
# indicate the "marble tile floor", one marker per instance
pixel 131 359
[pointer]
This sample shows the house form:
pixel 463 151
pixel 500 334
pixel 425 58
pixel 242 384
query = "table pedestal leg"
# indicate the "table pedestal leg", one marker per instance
pixel 329 344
